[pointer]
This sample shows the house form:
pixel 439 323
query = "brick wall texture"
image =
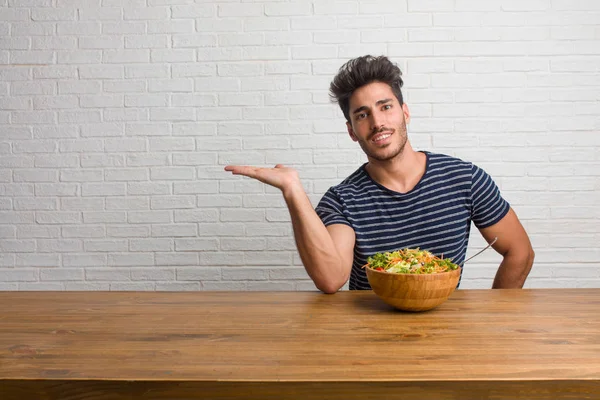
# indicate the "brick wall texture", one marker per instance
pixel 118 116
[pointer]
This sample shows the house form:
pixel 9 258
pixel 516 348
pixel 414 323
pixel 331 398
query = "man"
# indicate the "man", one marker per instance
pixel 400 198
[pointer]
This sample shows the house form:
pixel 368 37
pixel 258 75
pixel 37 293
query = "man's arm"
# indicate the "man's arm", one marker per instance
pixel 326 252
pixel 514 246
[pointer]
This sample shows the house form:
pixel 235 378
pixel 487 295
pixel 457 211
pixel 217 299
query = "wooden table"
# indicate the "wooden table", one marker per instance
pixel 530 344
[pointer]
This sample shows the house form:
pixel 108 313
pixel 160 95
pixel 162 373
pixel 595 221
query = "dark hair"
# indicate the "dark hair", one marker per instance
pixel 362 71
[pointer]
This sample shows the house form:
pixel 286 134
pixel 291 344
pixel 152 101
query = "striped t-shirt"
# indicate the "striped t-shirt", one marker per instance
pixel 435 215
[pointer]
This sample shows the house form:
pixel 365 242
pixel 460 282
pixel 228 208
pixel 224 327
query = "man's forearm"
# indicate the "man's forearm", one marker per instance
pixel 513 270
pixel 316 248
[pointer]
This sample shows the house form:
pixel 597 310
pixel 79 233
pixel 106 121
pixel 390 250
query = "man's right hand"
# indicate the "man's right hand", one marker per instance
pixel 281 177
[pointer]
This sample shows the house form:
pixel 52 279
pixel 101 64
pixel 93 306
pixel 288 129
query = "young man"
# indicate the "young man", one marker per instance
pixel 400 198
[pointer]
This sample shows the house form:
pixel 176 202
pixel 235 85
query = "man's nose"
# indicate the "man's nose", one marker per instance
pixel 376 121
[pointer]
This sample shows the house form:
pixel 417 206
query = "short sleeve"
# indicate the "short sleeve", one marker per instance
pixel 488 205
pixel 330 209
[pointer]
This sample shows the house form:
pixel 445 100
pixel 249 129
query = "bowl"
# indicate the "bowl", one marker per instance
pixel 413 292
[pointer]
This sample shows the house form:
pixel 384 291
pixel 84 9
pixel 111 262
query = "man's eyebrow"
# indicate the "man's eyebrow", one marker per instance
pixel 361 108
pixel 379 102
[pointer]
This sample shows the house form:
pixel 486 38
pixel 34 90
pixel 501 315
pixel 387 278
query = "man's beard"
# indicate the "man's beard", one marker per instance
pixel 391 154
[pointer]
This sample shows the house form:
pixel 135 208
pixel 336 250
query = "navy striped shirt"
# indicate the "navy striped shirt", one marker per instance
pixel 435 215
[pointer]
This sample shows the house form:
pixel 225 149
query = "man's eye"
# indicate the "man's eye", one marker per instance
pixel 387 106
pixel 361 116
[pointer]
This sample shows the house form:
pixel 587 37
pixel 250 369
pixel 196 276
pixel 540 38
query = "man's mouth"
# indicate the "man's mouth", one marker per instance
pixel 381 137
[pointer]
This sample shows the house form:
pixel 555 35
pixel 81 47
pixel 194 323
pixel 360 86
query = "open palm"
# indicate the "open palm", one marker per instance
pixel 280 177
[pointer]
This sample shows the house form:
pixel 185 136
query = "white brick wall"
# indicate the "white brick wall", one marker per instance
pixel 117 117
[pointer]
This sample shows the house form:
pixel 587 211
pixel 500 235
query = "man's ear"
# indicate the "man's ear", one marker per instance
pixel 351 132
pixel 406 113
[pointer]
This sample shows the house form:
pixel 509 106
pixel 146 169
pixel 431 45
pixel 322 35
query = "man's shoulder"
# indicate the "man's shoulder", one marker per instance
pixel 446 163
pixel 440 158
pixel 354 181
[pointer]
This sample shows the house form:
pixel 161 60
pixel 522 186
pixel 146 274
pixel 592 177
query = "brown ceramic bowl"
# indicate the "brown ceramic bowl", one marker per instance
pixel 413 292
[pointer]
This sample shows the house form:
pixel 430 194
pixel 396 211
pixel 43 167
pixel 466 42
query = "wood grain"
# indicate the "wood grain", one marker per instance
pixel 538 344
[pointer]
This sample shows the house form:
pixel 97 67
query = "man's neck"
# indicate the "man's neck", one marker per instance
pixel 400 174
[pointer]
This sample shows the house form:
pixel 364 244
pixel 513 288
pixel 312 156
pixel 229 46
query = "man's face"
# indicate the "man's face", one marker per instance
pixel 378 121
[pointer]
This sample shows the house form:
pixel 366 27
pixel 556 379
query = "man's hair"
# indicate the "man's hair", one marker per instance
pixel 362 71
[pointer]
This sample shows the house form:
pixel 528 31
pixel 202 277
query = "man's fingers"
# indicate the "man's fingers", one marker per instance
pixel 262 174
pixel 241 170
pixel 276 177
pixel 237 167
